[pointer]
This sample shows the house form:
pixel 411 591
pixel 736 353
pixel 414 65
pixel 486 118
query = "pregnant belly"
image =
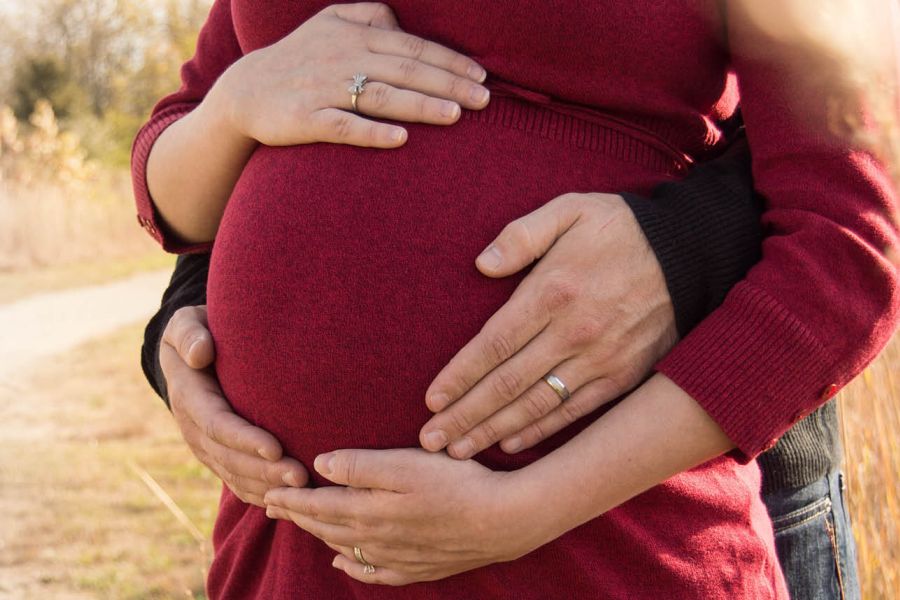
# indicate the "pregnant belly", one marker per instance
pixel 343 279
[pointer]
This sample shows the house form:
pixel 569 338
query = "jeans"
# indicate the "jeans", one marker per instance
pixel 814 540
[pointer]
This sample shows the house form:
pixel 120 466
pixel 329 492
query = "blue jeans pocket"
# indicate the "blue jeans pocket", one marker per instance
pixel 808 550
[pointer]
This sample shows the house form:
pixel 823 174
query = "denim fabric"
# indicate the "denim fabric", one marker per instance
pixel 814 540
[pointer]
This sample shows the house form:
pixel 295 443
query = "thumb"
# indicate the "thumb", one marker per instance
pixel 188 332
pixel 373 14
pixel 528 238
pixel 376 469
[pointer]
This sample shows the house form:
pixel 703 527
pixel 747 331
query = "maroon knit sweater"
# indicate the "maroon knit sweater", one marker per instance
pixel 343 279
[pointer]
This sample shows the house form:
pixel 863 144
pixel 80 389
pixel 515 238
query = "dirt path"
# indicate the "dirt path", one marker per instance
pixel 77 424
pixel 41 326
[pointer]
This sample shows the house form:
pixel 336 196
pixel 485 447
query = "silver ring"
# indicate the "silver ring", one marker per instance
pixel 558 386
pixel 357 88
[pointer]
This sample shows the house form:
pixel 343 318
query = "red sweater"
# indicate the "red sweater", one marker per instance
pixel 342 278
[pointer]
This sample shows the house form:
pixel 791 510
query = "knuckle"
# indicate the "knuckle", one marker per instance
pixel 342 126
pixel 518 233
pixel 535 433
pixel 499 348
pixel 380 97
pixel 351 466
pixel 487 434
pixel 409 68
pixel 536 405
pixel 456 88
pixel 381 10
pixel 460 421
pixel 570 412
pixel 415 46
pixel 422 107
pixel 585 332
pixel 559 293
pixel 506 384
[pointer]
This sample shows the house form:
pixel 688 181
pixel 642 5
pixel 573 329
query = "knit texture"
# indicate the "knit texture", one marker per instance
pixel 342 278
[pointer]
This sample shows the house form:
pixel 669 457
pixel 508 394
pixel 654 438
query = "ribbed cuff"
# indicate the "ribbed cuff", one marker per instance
pixel 753 367
pixel 706 234
pixel 148 218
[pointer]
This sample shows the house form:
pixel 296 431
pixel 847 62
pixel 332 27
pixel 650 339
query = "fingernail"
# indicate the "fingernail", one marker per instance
pixel 334 562
pixel 270 512
pixel 479 95
pixel 323 463
pixel 449 110
pixel 512 444
pixel 192 346
pixel 477 73
pixel 435 440
pixel 290 478
pixel 266 455
pixel 398 134
pixel 438 402
pixel 491 258
pixel 463 448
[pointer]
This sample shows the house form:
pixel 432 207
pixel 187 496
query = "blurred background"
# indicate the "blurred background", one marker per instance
pixel 99 497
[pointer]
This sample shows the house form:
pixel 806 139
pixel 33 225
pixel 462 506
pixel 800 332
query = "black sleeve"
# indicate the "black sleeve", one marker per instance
pixel 705 231
pixel 186 288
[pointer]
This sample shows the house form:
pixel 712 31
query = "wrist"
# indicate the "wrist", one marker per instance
pixel 528 498
pixel 221 110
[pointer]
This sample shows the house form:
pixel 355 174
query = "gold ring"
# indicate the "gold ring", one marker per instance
pixel 558 386
pixel 368 568
pixel 356 88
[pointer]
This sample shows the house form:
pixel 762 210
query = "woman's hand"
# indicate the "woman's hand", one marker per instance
pixel 594 311
pixel 415 515
pixel 248 459
pixel 293 91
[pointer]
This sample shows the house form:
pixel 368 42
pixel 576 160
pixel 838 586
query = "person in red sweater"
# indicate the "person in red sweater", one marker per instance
pixel 627 450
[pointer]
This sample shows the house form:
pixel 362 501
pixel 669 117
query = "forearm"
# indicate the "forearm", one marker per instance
pixel 194 166
pixel 656 432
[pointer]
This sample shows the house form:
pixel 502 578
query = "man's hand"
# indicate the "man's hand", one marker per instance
pixel 248 459
pixel 594 311
pixel 415 515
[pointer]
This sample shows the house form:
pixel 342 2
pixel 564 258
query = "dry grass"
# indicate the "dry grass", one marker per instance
pixel 49 224
pixel 76 518
pixel 871 417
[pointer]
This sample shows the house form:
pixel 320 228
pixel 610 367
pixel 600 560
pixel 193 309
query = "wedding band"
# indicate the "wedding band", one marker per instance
pixel 558 386
pixel 357 88
pixel 368 568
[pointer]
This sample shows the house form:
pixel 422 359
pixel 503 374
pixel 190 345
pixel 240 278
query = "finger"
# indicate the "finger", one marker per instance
pixel 286 471
pixel 584 401
pixel 334 534
pixel 498 389
pixel 247 497
pixel 399 43
pixel 342 127
pixel 373 14
pixel 198 396
pixel 188 332
pixel 332 504
pixel 377 469
pixel 388 102
pixel 538 401
pixel 493 369
pixel 381 575
pixel 526 239
pixel 410 74
pixel 504 334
